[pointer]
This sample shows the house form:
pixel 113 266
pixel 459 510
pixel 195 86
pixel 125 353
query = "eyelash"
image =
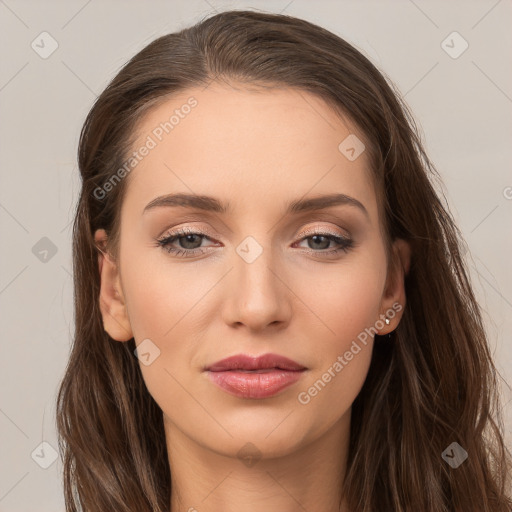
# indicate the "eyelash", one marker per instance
pixel 345 243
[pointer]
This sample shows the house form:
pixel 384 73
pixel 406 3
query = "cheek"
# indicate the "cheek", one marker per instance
pixel 327 396
pixel 157 295
pixel 343 300
pixel 160 305
pixel 347 301
pixel 341 366
pixel 165 304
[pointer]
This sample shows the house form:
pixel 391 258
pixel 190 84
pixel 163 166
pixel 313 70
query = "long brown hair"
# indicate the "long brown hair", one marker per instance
pixel 432 383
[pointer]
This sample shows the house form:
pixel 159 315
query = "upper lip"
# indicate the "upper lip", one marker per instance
pixel 246 362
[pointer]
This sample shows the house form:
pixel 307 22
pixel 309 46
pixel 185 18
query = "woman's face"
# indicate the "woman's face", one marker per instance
pixel 260 277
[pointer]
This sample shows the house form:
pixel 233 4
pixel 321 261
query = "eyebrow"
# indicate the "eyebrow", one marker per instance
pixel 211 204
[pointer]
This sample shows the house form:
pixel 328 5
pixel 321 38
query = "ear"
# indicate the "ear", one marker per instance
pixel 112 303
pixel 393 299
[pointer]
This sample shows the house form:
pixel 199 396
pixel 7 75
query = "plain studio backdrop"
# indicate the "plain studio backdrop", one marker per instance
pixel 451 60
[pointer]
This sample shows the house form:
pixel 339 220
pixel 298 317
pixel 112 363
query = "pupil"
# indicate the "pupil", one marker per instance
pixel 189 239
pixel 317 239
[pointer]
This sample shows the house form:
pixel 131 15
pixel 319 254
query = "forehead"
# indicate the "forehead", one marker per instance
pixel 246 147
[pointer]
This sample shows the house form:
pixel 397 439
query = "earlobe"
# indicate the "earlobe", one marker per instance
pixel 112 303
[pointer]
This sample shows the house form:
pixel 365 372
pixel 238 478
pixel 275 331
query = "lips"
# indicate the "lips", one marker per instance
pixel 248 363
pixel 255 377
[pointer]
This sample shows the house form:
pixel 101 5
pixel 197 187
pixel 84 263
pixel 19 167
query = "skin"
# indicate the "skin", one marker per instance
pixel 257 149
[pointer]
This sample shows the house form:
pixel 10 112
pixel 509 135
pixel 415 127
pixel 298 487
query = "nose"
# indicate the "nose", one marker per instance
pixel 258 296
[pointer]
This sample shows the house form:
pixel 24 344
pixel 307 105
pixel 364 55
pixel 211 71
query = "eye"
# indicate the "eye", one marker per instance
pixel 190 241
pixel 321 241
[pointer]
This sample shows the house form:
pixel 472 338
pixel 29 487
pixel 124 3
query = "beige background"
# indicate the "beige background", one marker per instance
pixel 463 105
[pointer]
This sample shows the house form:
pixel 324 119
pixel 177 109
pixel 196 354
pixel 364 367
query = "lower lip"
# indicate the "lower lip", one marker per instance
pixel 254 384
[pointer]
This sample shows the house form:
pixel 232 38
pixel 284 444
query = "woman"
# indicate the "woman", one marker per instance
pixel 272 310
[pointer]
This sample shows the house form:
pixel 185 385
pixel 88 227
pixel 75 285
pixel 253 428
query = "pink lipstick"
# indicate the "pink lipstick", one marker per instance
pixel 255 377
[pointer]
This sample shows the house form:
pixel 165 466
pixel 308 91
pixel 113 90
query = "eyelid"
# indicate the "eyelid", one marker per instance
pixel 326 230
pixel 206 231
pixel 186 229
